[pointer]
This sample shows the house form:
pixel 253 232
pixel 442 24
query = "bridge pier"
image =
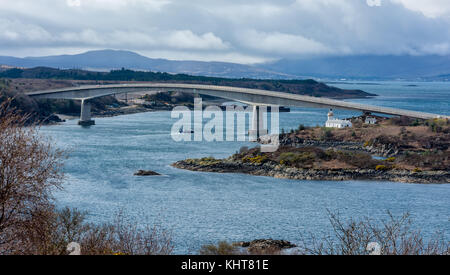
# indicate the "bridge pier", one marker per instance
pixel 85 116
pixel 257 127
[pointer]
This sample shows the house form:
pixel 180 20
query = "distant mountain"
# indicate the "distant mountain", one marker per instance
pixel 111 59
pixel 367 67
pixel 431 67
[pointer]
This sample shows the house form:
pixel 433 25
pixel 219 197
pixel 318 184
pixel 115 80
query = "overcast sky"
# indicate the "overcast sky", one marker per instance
pixel 247 31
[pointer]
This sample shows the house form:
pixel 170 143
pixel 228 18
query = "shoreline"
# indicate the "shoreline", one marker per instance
pixel 112 113
pixel 128 110
pixel 226 166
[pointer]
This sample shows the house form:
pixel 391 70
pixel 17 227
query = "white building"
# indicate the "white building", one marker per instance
pixel 337 123
pixel 370 120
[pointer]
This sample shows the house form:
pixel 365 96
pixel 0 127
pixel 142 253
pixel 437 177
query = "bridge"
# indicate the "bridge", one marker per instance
pixel 254 97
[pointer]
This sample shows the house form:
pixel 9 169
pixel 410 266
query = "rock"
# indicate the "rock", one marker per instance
pixel 266 245
pixel 144 173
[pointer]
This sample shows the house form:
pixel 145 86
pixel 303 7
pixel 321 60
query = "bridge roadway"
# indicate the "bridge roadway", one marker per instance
pixel 253 97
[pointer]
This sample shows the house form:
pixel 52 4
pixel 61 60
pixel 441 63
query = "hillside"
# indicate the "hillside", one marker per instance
pixel 373 67
pixel 106 60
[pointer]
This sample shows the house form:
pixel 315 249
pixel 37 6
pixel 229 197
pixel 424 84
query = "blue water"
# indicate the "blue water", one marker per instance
pixel 201 208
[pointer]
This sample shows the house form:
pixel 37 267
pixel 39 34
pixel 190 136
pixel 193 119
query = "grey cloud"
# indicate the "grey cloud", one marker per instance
pixel 240 31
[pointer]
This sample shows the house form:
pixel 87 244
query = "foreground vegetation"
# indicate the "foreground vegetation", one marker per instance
pixel 392 236
pixel 30 223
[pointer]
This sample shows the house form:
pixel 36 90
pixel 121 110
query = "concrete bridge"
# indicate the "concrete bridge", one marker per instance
pixel 254 97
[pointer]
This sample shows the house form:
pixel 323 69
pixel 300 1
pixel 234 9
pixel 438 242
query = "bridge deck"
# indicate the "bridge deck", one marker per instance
pixel 252 96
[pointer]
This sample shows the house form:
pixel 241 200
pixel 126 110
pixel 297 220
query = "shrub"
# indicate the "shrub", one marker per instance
pixel 381 168
pixel 401 121
pixel 259 159
pixel 208 161
pixel 327 134
pixel 222 248
pixel 29 169
pixel 300 159
pixel 394 236
pixel 356 159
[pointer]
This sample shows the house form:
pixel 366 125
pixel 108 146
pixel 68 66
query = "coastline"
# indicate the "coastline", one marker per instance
pixel 285 172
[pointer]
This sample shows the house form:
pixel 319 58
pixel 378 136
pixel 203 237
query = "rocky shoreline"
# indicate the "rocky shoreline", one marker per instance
pixel 285 172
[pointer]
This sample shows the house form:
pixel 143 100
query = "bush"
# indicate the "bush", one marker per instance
pixel 259 159
pixel 401 121
pixel 381 168
pixel 432 160
pixel 117 238
pixel 222 248
pixel 359 160
pixel 300 160
pixel 327 134
pixel 394 236
pixel 29 169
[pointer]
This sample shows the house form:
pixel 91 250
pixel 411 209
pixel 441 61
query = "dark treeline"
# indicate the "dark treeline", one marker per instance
pixel 304 87
pixel 123 75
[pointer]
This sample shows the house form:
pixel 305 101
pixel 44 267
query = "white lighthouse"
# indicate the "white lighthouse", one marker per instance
pixel 337 123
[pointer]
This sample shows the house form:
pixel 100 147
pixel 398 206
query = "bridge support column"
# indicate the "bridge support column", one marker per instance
pixel 257 127
pixel 85 117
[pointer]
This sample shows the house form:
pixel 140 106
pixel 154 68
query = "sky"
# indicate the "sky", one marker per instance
pixel 250 31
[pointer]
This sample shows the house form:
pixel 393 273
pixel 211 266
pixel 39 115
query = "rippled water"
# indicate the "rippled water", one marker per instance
pixel 202 207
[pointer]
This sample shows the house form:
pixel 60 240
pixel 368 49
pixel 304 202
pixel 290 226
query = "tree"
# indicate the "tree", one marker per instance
pixel 29 169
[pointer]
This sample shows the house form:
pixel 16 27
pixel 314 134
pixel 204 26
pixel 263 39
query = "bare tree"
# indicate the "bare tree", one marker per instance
pixel 29 169
pixel 394 236
pixel 125 238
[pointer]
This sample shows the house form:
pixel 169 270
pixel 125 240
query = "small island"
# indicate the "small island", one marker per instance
pixel 395 149
pixel 146 173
